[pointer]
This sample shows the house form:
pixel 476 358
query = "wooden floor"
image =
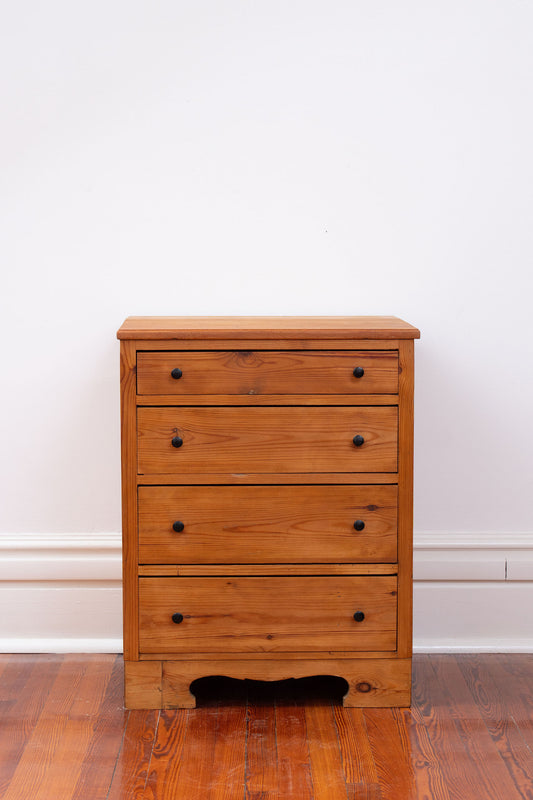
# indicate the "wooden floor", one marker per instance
pixel 64 734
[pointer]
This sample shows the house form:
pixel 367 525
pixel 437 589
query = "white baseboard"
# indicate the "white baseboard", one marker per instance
pixel 62 593
pixel 61 644
pixel 473 592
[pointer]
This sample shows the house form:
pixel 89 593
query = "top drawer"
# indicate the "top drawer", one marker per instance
pixel 245 372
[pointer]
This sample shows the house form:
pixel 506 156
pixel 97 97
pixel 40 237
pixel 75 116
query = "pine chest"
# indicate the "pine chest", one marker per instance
pixel 267 503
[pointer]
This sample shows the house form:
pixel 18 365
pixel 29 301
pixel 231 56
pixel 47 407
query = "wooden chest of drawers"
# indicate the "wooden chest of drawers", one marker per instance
pixel 267 503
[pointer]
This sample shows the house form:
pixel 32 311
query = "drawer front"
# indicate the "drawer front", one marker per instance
pixel 267 524
pixel 267 614
pixel 231 440
pixel 267 372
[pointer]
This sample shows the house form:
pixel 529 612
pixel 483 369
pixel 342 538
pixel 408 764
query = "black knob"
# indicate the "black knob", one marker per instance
pixel 357 440
pixel 178 526
pixel 177 618
pixel 358 372
pixel 358 524
pixel 177 441
pixel 358 616
pixel 176 373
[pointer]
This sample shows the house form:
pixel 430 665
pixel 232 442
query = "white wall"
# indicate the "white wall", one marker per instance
pixel 266 157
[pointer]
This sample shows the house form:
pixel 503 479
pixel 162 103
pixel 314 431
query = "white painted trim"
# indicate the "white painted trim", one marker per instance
pixel 61 541
pixel 473 556
pixel 61 557
pixel 520 567
pixel 472 592
pixel 473 616
pixel 63 592
pixel 457 540
pixel 450 565
pixel 487 646
pixel 60 645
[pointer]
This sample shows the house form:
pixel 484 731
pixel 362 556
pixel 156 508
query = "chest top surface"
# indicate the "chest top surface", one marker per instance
pixel 289 327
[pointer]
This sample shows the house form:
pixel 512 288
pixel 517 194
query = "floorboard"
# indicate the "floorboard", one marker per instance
pixel 261 775
pixel 491 705
pixel 493 778
pixel 227 778
pixel 109 722
pixel 133 757
pixel 65 735
pixel 390 745
pixel 463 747
pixel 294 771
pixel 168 760
pixel 514 676
pixel 24 688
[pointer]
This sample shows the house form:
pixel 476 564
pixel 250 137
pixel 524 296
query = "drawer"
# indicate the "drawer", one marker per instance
pixel 287 439
pixel 267 372
pixel 267 524
pixel 272 614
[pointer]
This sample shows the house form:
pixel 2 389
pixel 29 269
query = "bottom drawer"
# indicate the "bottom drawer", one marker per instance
pixel 267 614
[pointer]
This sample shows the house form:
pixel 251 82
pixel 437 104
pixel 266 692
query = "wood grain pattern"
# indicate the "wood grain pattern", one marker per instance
pixel 357 761
pixel 142 684
pixel 317 655
pixel 203 570
pixel 134 758
pixel 491 706
pixel 227 343
pixel 196 780
pixel 229 757
pixel 128 423
pixel 429 771
pixel 176 684
pixel 24 688
pixel 109 723
pixel 305 745
pixel 261 776
pixel 167 762
pixel 267 614
pixel 267 440
pixel 371 682
pixel 390 745
pixel 385 684
pixel 291 399
pixel 405 500
pixel 292 750
pixel 474 732
pixel 324 755
pixel 514 676
pixel 267 524
pixel 470 763
pixel 266 478
pixel 272 328
pixel 363 791
pixel 61 736
pixel 258 372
